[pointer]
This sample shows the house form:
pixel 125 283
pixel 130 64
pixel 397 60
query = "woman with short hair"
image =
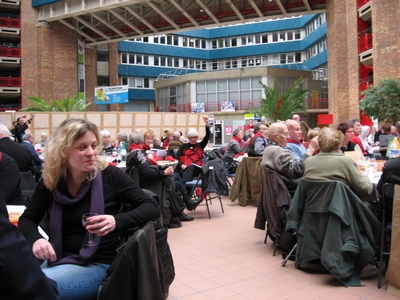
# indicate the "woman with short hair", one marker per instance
pixel 348 133
pixel 236 145
pixel 331 164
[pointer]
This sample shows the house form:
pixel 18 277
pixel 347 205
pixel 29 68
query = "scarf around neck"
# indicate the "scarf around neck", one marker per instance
pixel 86 253
pixel 240 141
pixel 135 147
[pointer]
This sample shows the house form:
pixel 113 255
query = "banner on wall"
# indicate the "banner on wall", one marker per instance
pixel 198 107
pixel 111 94
pixel 81 70
pixel 228 106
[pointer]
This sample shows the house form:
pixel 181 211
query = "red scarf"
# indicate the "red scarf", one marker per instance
pixel 135 147
pixel 289 140
pixel 254 136
pixel 146 147
pixel 240 141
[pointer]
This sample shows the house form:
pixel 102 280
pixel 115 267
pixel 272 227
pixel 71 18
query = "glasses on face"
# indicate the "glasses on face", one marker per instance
pixel 193 137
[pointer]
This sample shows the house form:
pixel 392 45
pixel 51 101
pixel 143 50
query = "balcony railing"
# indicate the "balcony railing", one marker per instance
pixel 361 3
pixel 10 81
pixel 319 103
pixel 365 43
pixel 10 52
pixel 10 22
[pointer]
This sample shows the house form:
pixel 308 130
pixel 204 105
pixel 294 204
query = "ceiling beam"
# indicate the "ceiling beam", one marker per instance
pixel 109 25
pixel 77 30
pixel 90 26
pixel 126 22
pixel 237 12
pixel 208 12
pixel 282 8
pixel 307 5
pixel 183 11
pixel 163 15
pixel 141 19
pixel 256 9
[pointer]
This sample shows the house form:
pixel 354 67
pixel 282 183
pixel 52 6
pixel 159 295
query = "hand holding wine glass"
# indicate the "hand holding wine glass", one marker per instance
pixel 85 222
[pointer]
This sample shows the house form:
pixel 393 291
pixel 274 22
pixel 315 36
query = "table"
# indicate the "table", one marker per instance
pixel 248 181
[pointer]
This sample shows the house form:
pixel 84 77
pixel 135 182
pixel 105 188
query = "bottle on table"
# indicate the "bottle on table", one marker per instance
pixel 122 152
pixel 393 150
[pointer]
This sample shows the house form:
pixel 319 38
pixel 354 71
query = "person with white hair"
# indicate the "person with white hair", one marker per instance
pixel 191 154
pixel 105 138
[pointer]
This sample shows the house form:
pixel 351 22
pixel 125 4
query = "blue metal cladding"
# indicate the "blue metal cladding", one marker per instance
pixel 145 71
pixel 37 3
pixel 316 61
pixel 250 28
pixel 313 37
pixel 141 94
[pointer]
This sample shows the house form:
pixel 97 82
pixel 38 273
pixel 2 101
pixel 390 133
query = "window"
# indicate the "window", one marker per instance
pixel 146 60
pixel 234 42
pixel 214 65
pixel 124 58
pixel 265 38
pixel 155 40
pixel 297 35
pixel 124 80
pixel 146 83
pixel 156 61
pixel 169 61
pixel 138 59
pixel 176 40
pixel 297 57
pixel 131 58
pixel 214 44
pixel 282 37
pixel 290 35
pixel 169 39
pixel 275 37
pixel 162 39
pixel 283 58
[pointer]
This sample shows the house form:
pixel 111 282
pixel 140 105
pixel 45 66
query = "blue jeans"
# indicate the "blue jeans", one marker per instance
pixel 77 282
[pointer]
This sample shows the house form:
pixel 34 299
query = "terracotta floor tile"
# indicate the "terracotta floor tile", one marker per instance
pixel 225 258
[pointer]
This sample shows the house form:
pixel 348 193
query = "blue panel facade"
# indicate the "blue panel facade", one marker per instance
pixel 141 94
pixel 318 60
pixel 145 71
pixel 37 3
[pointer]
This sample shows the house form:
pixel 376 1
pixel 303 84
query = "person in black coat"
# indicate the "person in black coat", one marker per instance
pixel 10 181
pixel 20 273
pixel 19 153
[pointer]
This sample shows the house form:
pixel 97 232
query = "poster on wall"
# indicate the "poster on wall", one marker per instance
pixel 111 94
pixel 81 70
pixel 198 107
pixel 228 130
pixel 228 106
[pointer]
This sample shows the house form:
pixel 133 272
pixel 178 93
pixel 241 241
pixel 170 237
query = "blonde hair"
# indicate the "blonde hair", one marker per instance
pixel 313 133
pixel 55 153
pixel 330 139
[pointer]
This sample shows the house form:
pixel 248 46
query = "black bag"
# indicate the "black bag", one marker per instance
pixel 117 283
pixel 175 201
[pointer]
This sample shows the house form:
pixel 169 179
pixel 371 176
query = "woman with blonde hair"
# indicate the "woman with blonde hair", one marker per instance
pixel 331 164
pixel 76 181
pixel 148 140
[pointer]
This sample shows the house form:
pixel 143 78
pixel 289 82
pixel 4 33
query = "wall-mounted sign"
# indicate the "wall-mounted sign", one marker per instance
pixel 111 94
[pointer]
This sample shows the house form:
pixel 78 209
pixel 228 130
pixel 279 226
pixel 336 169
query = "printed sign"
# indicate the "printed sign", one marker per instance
pixel 111 94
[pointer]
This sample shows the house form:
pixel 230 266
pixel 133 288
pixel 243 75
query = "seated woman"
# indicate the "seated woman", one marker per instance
pixel 107 147
pixel 348 133
pixel 331 164
pixel 76 181
pixel 148 140
pixel 236 145
pixel 152 177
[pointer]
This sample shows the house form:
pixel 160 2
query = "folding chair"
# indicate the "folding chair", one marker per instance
pixel 384 247
pixel 230 165
pixel 213 180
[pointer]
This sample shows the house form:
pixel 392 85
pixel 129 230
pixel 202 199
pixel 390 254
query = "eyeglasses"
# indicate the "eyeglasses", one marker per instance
pixel 193 137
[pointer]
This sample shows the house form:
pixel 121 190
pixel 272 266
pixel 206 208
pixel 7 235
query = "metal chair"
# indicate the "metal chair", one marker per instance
pixel 229 166
pixel 384 248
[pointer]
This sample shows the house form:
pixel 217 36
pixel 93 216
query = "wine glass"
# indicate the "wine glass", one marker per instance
pixel 85 222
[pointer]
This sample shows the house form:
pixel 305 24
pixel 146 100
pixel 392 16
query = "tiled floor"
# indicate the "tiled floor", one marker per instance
pixel 225 258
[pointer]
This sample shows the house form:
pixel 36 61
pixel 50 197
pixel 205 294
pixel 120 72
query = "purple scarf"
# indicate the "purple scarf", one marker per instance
pixel 95 188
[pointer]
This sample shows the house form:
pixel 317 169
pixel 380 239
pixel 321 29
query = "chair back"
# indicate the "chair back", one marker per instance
pixel 214 178
pixel 335 226
pixel 28 181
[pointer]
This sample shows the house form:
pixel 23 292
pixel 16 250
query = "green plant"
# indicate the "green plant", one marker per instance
pixel 65 104
pixel 382 101
pixel 281 105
